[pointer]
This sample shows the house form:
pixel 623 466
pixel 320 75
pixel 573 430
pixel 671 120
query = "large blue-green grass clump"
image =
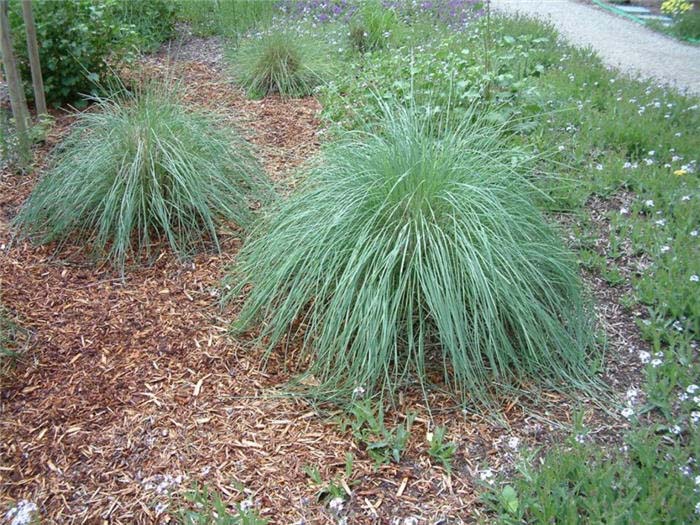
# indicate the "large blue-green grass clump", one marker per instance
pixel 416 254
pixel 140 169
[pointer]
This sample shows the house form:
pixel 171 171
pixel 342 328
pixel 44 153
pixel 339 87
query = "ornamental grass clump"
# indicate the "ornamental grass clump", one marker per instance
pixel 141 168
pixel 286 63
pixel 416 255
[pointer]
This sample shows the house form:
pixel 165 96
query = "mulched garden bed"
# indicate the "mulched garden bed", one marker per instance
pixel 132 387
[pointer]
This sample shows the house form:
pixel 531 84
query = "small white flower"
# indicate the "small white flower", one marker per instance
pixel 676 158
pixel 677 134
pixel 694 233
pixel 692 389
pixel 678 326
pixel 656 363
pixel 627 412
pixel 649 203
pixel 487 476
pixel 694 278
pixel 696 400
pixel 599 167
pixel 561 148
pixel 358 391
pixel 685 470
pixel 695 418
pixel 336 505
pixel 665 249
pixel 581 438
pixel 632 394
pixel 697 480
pixel 627 165
pixel 644 356
pixel 649 162
pixel 697 508
pixel 624 211
pixel 514 442
pixel 660 222
pixel 685 198
pixel 675 429
pixel 682 396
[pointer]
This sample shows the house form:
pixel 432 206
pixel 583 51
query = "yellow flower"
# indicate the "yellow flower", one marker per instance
pixel 680 173
pixel 675 7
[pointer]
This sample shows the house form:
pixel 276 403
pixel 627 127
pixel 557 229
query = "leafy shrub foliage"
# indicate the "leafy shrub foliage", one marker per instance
pixel 80 40
pixel 284 63
pixel 411 249
pixel 143 168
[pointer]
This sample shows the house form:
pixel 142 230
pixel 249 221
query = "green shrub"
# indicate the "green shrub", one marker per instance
pixel 77 42
pixel 412 249
pixel 143 168
pixel 285 63
pixel 688 25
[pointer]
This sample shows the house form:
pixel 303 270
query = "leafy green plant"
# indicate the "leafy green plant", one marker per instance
pixel 205 507
pixel 366 423
pixel 334 488
pixel 440 450
pixel 285 63
pixel 417 249
pixel 372 27
pixel 79 41
pixel 688 25
pixel 584 484
pixel 144 168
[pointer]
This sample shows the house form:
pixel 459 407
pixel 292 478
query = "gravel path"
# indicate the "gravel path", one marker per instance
pixel 620 43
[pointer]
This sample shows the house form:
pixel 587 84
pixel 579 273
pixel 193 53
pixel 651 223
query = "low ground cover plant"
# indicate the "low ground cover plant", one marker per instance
pixel 287 63
pixel 415 248
pixel 142 168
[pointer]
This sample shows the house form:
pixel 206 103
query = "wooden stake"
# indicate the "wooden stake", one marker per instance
pixel 34 63
pixel 14 83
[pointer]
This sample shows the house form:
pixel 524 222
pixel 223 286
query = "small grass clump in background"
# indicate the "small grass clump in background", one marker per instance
pixel 372 26
pixel 284 63
pixel 417 253
pixel 143 168
pixel 229 18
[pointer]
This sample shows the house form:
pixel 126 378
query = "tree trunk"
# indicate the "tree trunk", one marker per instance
pixel 35 64
pixel 14 83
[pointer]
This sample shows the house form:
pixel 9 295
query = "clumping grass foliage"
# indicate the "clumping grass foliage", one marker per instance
pixel 414 250
pixel 139 169
pixel 286 63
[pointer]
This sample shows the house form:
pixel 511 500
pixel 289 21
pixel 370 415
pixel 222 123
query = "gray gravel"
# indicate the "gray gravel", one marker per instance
pixel 620 43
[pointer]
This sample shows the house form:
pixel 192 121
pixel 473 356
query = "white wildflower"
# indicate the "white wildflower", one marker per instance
pixel 660 222
pixel 675 429
pixel 692 388
pixel 644 356
pixel 649 203
pixel 656 363
pixel 358 391
pixel 487 476
pixel 22 514
pixel 685 198
pixel 694 278
pixel 624 211
pixel 665 249
pixel 627 412
pixel 580 438
pixel 695 417
pixel 514 442
pixel 694 233
pixel 336 505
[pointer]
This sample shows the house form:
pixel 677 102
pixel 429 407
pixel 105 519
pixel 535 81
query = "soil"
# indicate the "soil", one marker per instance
pixel 132 387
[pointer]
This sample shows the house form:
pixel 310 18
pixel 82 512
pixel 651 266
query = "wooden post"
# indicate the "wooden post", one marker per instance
pixel 14 83
pixel 34 63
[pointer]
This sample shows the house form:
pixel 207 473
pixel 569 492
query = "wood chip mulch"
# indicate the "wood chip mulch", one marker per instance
pixel 132 388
